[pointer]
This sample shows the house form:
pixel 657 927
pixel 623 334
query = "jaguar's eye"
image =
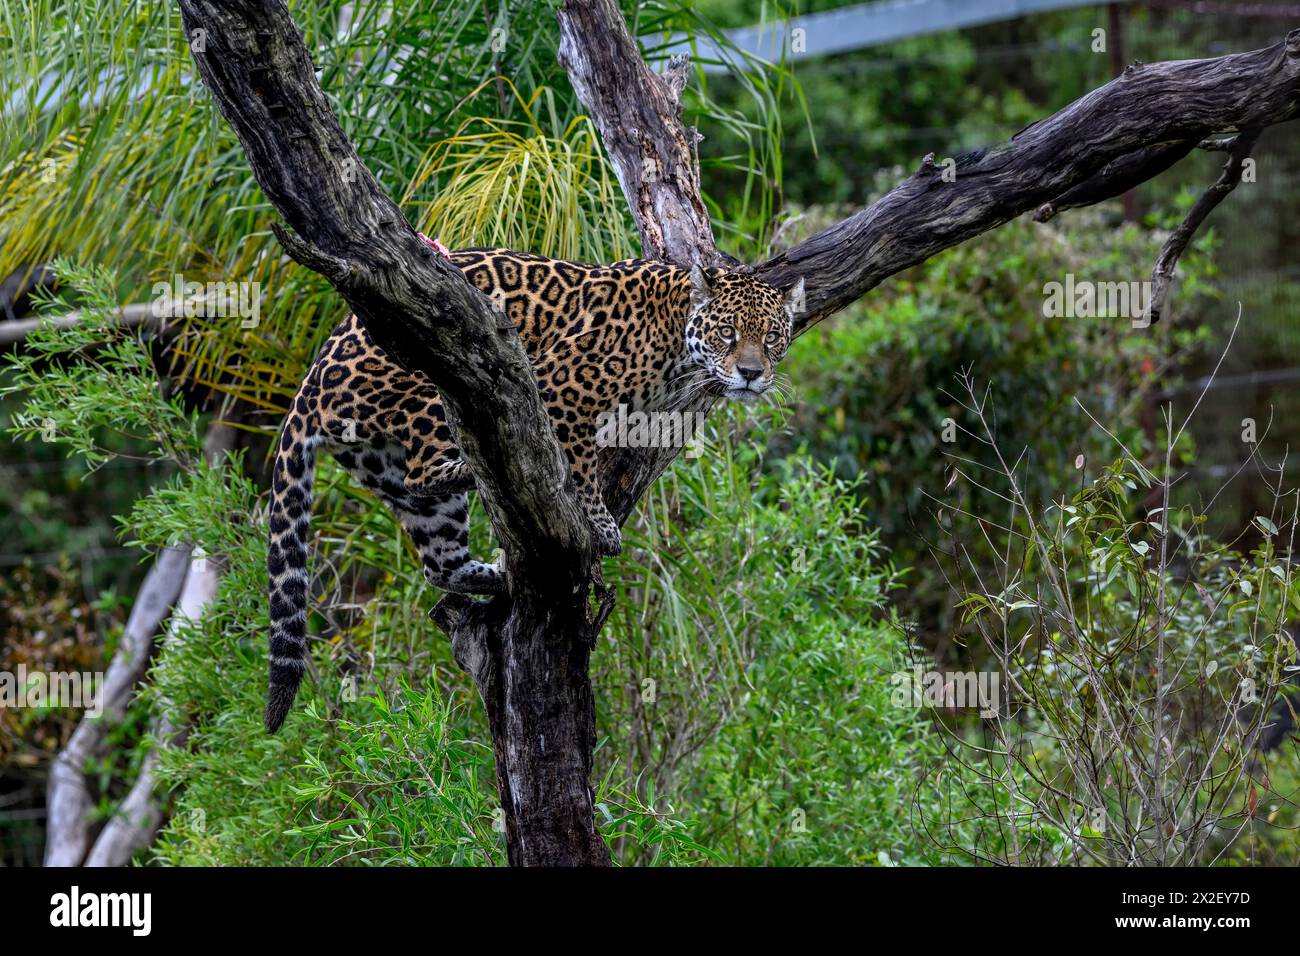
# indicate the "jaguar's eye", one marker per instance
pixel 728 332
pixel 772 338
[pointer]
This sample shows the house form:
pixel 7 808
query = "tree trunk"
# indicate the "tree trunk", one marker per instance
pixel 529 659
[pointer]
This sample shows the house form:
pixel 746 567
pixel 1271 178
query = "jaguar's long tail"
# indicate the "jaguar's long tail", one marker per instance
pixel 286 563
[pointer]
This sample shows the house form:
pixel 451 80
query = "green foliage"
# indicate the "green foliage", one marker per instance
pixel 243 797
pixel 776 681
pixel 533 184
pixel 744 675
pixel 47 624
pixel 143 176
pixel 875 385
pixel 399 790
pixel 80 402
pixel 746 712
pixel 1140 660
pixel 91 386
pixel 88 379
pixel 946 93
pixel 771 668
pixel 777 710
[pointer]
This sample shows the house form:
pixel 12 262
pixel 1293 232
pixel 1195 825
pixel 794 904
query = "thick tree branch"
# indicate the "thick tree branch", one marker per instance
pixel 1149 105
pixel 638 113
pixel 528 652
pixel 1103 144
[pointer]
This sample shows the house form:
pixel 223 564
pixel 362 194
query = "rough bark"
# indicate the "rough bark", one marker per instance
pixel 1150 104
pixel 1117 177
pixel 528 652
pixel 529 660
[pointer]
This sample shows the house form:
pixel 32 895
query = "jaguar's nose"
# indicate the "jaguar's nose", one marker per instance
pixel 749 372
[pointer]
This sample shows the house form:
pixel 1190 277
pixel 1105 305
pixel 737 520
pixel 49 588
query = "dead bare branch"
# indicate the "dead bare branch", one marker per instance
pixel 69 801
pixel 128 316
pixel 1174 104
pixel 137 818
pixel 638 114
pixel 1162 274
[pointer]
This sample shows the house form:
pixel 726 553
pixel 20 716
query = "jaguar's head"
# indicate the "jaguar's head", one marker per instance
pixel 738 329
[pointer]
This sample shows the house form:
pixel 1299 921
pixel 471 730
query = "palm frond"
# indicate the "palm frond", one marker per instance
pixel 522 185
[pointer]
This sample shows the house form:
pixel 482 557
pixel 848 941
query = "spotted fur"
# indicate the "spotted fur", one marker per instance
pixel 637 333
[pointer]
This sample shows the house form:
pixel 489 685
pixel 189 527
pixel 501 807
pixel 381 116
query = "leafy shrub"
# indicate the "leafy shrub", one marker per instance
pixel 1140 661
pixel 744 677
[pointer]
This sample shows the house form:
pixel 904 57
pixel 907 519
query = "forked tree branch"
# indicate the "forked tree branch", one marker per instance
pixel 1162 274
pixel 1103 144
pixel 137 817
pixel 69 803
pixel 414 303
pixel 1099 146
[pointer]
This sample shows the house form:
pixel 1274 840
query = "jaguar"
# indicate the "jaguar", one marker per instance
pixel 639 333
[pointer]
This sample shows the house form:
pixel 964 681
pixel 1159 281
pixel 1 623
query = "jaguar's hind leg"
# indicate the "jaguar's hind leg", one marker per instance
pixel 439 526
pixel 433 462
pixel 437 523
pixel 447 477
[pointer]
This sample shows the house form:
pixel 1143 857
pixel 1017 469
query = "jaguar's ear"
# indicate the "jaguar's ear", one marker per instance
pixel 701 286
pixel 794 299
